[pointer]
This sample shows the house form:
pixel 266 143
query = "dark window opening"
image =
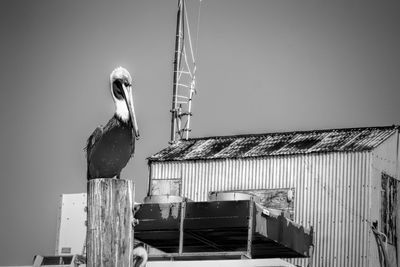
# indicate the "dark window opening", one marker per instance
pixel 389 207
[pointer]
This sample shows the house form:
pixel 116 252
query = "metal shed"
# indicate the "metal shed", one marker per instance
pixel 343 181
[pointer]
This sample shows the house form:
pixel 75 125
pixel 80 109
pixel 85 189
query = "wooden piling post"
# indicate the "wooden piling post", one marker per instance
pixel 109 240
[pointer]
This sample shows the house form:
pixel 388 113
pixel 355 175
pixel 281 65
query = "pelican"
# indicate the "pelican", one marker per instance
pixel 109 148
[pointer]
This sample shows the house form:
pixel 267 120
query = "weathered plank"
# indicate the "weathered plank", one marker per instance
pixel 110 216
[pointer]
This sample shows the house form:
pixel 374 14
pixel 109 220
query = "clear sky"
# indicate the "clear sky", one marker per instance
pixel 263 66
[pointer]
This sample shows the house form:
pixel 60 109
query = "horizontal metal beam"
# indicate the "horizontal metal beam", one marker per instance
pixel 198 255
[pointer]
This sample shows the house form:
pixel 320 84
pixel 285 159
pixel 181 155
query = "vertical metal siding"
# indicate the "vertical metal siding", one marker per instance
pixel 331 195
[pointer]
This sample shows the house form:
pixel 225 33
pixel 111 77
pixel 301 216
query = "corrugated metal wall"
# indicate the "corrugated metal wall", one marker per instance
pixel 384 161
pixel 332 195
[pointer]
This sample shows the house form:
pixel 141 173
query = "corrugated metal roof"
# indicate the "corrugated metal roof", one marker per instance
pixel 276 144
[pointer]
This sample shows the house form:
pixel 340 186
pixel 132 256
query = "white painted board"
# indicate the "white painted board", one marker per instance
pixel 71 224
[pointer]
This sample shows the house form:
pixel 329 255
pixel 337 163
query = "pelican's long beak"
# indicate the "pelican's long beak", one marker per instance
pixel 131 108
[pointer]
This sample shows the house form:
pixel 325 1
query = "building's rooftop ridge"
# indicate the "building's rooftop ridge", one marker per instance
pixel 235 136
pixel 276 144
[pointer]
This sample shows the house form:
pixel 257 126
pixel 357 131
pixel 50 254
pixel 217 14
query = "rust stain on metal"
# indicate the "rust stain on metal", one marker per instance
pixel 283 230
pixel 175 210
pixel 169 209
pixel 260 226
pixel 164 209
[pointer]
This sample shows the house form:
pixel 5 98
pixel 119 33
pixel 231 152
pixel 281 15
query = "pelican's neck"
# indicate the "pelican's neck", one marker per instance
pixel 121 110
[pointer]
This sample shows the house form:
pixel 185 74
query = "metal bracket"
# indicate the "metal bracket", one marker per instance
pixel 250 228
pixel 183 212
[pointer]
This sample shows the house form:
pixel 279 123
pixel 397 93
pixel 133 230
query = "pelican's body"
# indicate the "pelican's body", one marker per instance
pixel 112 149
pixel 109 148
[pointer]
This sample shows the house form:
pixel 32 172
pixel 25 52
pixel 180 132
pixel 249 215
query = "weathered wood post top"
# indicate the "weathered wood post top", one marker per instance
pixel 110 216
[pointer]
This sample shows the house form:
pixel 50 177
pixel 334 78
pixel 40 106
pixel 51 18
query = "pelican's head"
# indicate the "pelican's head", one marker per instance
pixel 121 91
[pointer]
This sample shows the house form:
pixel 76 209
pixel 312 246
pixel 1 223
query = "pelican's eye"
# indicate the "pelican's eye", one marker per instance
pixel 127 84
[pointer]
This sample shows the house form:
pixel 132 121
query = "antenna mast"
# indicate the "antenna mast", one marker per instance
pixel 183 79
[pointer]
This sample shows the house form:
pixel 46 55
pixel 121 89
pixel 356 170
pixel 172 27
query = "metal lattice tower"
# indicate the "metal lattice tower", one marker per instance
pixel 184 80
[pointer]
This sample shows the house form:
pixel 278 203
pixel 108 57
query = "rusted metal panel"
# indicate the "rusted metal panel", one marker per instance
pixel 280 199
pixel 332 194
pixel 276 144
pixel 283 231
pixel 166 187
